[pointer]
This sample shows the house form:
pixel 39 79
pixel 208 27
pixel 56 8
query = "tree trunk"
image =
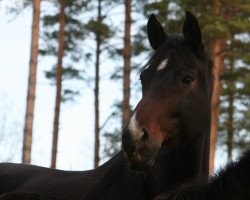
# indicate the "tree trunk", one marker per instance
pixel 230 127
pixel 218 57
pixel 218 49
pixel 127 66
pixel 27 139
pixel 230 112
pixel 96 91
pixel 58 83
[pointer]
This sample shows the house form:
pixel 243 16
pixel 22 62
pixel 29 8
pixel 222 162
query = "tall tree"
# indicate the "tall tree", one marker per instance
pixel 73 44
pixel 27 139
pixel 234 127
pixel 96 90
pixel 100 32
pixel 58 82
pixel 218 57
pixel 230 121
pixel 127 66
pixel 228 93
pixel 66 71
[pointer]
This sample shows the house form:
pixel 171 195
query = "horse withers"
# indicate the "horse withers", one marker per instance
pixel 165 142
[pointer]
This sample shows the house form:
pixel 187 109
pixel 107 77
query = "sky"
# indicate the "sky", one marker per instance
pixel 76 141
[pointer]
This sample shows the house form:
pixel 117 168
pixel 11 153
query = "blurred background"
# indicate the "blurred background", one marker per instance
pixel 69 75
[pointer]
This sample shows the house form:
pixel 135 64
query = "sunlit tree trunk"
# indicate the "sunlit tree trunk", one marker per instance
pixel 27 139
pixel 218 54
pixel 58 83
pixel 96 91
pixel 218 57
pixel 127 66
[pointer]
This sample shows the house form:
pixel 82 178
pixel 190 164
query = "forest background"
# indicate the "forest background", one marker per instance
pixel 86 80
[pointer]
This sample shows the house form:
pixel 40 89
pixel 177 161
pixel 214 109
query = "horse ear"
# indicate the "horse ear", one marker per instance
pixel 192 33
pixel 156 34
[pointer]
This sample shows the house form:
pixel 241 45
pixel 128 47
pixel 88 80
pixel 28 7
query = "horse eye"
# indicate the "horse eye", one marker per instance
pixel 187 79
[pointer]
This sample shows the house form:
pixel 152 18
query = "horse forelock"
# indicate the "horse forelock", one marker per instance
pixel 176 44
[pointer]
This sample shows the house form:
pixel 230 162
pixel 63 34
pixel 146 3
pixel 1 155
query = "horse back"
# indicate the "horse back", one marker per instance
pixel 109 181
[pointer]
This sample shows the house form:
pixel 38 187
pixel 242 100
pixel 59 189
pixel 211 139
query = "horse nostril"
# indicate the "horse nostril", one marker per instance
pixel 145 134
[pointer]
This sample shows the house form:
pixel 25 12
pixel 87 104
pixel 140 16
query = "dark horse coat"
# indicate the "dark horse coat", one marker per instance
pixel 230 183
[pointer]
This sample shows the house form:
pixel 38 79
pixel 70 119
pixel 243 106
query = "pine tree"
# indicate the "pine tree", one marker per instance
pixel 65 45
pixel 96 91
pixel 73 45
pixel 234 124
pixel 127 66
pixel 27 139
pixel 58 82
pixel 102 32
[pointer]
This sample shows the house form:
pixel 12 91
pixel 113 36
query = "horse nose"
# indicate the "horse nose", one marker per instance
pixel 137 149
pixel 133 140
pixel 138 132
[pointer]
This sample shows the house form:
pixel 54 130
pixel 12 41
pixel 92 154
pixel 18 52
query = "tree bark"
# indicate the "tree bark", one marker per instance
pixel 27 139
pixel 230 127
pixel 230 112
pixel 127 66
pixel 218 54
pixel 96 91
pixel 218 57
pixel 58 83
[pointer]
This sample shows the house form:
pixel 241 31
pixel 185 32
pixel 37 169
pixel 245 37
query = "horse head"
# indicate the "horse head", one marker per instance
pixel 177 85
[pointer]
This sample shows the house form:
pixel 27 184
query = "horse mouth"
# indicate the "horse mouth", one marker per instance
pixel 139 162
pixel 139 153
pixel 139 156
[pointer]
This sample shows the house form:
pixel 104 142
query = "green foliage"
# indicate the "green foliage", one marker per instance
pixel 69 95
pixel 113 137
pixel 235 82
pixel 113 143
pixel 74 35
pixel 67 73
pixel 99 27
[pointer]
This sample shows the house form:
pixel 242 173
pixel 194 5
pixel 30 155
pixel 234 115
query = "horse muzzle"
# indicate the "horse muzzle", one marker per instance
pixel 138 152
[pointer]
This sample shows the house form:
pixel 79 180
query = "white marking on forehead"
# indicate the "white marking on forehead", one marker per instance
pixel 134 128
pixel 162 65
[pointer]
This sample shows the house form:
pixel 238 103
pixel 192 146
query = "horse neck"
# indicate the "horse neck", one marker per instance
pixel 190 159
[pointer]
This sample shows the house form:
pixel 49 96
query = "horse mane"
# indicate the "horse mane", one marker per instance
pixel 230 183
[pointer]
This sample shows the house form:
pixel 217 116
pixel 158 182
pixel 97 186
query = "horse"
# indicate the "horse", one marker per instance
pixel 170 128
pixel 230 183
pixel 165 141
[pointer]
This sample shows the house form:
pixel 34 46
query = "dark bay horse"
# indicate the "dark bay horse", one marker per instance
pixel 165 142
pixel 230 183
